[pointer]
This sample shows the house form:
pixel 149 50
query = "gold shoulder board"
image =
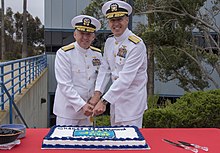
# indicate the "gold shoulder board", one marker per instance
pixel 68 47
pixel 134 39
pixel 95 49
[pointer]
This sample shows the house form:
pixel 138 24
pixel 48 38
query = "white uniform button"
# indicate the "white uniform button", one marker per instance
pixel 85 55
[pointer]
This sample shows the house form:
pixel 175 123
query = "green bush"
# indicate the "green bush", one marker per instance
pixel 160 117
pixel 103 120
pixel 197 109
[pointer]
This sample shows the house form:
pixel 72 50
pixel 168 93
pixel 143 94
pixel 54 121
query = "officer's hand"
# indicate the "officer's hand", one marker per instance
pixel 99 108
pixel 94 100
pixel 88 109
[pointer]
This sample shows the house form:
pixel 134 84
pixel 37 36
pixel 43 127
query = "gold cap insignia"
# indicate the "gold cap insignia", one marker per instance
pixel 114 7
pixel 86 21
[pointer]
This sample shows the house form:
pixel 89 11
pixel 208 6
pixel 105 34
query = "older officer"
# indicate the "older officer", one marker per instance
pixel 76 69
pixel 125 61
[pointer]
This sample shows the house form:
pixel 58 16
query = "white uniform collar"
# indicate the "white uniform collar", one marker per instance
pixel 80 49
pixel 124 36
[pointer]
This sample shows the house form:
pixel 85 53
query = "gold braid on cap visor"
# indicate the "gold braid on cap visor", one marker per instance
pixel 84 28
pixel 115 14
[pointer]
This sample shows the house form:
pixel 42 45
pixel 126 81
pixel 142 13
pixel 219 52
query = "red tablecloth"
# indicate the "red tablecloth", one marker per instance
pixel 209 137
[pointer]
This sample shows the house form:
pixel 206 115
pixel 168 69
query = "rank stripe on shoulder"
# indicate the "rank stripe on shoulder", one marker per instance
pixel 95 49
pixel 134 39
pixel 68 47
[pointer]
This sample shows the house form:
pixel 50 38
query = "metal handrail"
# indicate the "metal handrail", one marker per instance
pixel 16 75
pixel 11 102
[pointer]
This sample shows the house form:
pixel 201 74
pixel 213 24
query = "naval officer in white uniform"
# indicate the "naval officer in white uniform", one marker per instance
pixel 125 62
pixel 76 69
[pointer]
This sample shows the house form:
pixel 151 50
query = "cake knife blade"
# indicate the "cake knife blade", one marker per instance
pixel 91 120
pixel 181 145
pixel 92 117
pixel 194 145
pixel 94 122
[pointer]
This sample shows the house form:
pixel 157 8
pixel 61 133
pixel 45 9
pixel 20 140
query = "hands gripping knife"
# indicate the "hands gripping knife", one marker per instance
pixel 194 145
pixel 181 146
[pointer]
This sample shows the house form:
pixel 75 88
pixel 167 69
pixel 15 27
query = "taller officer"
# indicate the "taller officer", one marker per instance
pixel 125 62
pixel 76 69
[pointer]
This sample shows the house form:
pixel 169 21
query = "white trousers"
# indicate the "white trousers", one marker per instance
pixel 73 122
pixel 138 122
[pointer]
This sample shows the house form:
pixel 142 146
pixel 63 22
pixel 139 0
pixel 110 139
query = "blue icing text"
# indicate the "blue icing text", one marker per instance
pixel 94 133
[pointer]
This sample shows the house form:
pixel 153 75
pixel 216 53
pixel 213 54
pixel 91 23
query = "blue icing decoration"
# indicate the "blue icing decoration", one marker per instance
pixel 94 133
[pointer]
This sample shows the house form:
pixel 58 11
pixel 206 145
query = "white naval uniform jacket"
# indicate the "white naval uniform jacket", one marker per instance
pixel 125 62
pixel 76 71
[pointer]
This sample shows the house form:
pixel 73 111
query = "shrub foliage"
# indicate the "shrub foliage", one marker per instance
pixel 196 109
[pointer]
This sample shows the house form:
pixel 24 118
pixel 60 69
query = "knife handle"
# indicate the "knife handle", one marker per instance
pixel 191 149
pixel 201 147
pixel 91 119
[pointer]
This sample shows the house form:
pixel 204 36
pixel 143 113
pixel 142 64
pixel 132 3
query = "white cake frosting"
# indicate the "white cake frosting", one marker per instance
pixel 125 137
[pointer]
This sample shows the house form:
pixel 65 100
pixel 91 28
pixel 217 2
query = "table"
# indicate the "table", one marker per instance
pixel 209 137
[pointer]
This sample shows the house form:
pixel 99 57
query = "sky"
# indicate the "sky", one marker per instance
pixel 34 7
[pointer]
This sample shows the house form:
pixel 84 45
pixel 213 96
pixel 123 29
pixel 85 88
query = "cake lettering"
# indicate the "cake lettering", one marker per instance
pixel 94 133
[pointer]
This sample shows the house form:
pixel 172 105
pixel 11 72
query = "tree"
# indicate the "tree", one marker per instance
pixel 35 35
pixel 14 32
pixel 24 46
pixel 150 52
pixel 13 49
pixel 2 31
pixel 180 27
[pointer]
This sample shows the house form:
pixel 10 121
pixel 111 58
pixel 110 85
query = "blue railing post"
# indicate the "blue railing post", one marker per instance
pixel 33 61
pixel 2 90
pixel 29 68
pixel 25 73
pixel 19 78
pixel 12 81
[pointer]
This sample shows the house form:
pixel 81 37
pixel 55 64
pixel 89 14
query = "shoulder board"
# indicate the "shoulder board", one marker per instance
pixel 134 39
pixel 95 49
pixel 68 47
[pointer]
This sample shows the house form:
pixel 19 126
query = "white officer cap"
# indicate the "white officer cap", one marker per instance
pixel 85 23
pixel 116 8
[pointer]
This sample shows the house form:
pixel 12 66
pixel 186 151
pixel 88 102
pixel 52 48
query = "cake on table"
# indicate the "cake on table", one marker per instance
pixel 86 137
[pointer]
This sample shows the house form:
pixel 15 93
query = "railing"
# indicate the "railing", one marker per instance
pixel 17 74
